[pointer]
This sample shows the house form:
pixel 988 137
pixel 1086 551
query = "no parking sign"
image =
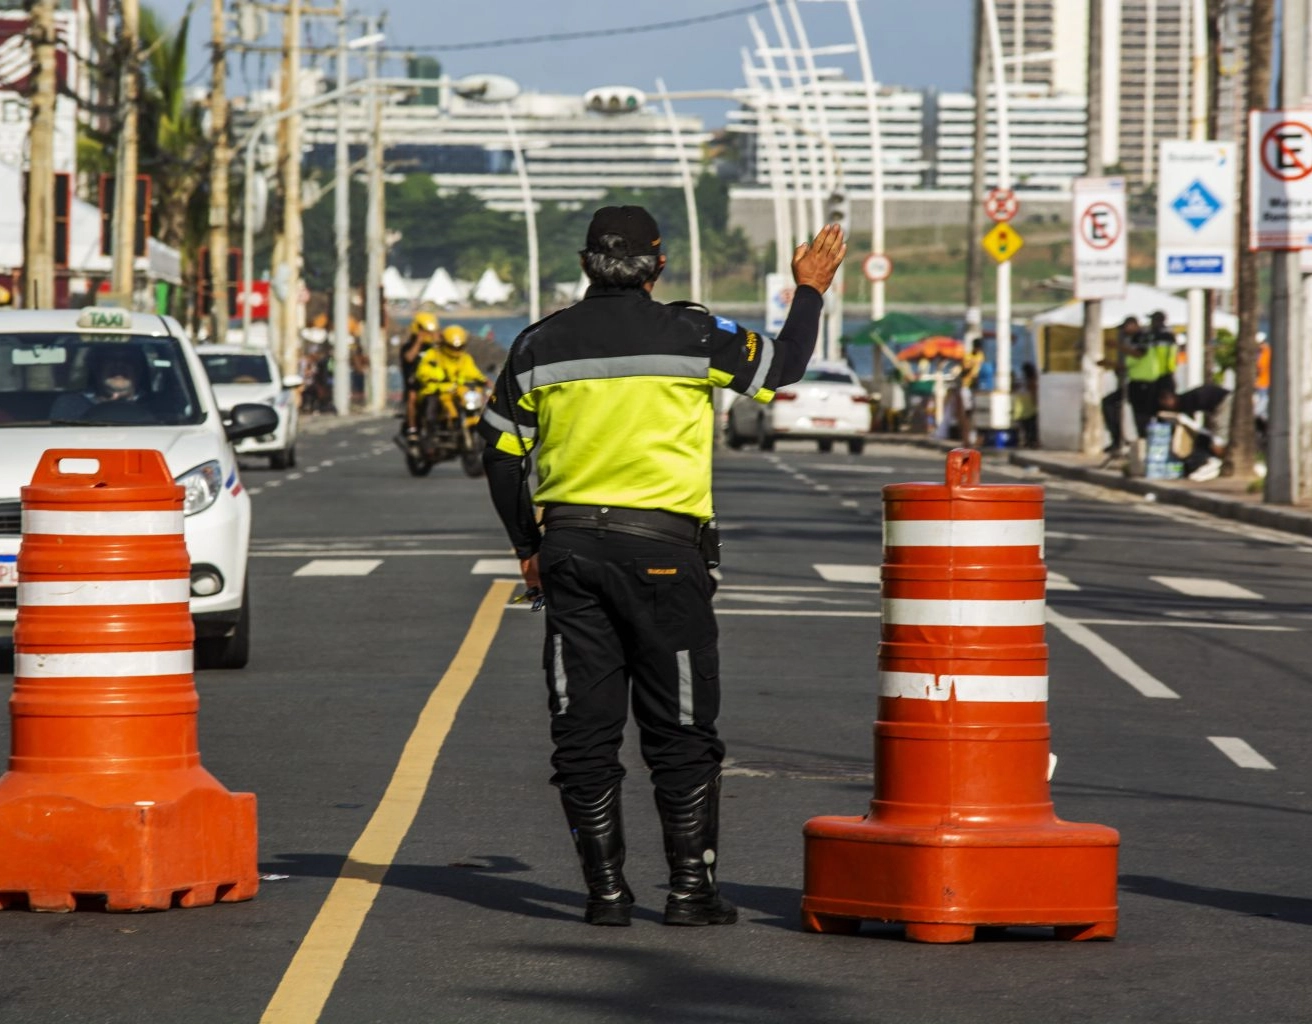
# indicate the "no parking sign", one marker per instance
pixel 1101 250
pixel 1280 165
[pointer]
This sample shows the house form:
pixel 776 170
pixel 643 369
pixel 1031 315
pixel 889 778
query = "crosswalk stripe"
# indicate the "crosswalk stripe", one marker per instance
pixel 339 567
pixel 1193 586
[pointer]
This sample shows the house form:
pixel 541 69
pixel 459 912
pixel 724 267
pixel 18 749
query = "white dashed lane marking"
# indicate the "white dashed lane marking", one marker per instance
pixel 1241 753
pixel 1117 662
pixel 1192 586
pixel 1056 581
pixel 851 504
pixel 867 574
pixel 339 567
pixel 496 567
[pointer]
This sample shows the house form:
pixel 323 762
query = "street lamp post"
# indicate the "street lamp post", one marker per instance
pixel 1000 401
pixel 342 240
pixel 530 216
pixel 876 156
pixel 783 223
pixel 689 197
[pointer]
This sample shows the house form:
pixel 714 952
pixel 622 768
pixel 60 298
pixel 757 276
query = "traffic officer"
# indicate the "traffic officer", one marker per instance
pixel 615 396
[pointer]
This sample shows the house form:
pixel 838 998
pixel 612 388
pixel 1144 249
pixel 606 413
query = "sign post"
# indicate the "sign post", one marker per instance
pixel 1196 230
pixel 1101 250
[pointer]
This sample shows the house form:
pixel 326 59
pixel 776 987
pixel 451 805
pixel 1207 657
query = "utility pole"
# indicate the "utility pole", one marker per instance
pixel 1000 400
pixel 342 231
pixel 287 248
pixel 978 166
pixel 1091 350
pixel 218 253
pixel 375 238
pixel 125 184
pixel 1196 339
pixel 39 226
pixel 1241 452
pixel 1283 460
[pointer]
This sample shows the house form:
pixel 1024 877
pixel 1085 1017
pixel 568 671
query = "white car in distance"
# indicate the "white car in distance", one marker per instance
pixel 108 378
pixel 828 404
pixel 239 375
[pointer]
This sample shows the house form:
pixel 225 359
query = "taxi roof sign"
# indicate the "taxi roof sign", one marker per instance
pixel 105 318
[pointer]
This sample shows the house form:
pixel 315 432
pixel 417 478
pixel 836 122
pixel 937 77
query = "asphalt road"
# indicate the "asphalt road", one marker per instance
pixel 1169 629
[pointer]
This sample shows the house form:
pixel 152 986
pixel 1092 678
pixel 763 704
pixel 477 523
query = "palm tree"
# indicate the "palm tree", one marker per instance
pixel 174 149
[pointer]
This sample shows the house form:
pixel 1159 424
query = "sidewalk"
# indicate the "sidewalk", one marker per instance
pixel 1224 497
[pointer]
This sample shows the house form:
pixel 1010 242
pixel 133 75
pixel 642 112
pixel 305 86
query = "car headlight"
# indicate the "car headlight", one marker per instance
pixel 203 485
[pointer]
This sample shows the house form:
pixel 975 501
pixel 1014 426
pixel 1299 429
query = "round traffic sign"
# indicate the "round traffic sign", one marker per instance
pixel 877 267
pixel 1100 225
pixel 1001 204
pixel 1287 151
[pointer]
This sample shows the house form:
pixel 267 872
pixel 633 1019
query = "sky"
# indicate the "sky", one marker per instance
pixel 915 43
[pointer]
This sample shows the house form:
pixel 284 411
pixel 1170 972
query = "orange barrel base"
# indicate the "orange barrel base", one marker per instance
pixel 944 882
pixel 193 849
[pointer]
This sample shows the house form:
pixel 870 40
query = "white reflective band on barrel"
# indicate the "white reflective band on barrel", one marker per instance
pixel 104 592
pixel 102 664
pixel 963 533
pixel 1000 689
pixel 102 524
pixel 906 611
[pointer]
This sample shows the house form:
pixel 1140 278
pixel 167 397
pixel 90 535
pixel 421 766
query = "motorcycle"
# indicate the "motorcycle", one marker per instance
pixel 442 437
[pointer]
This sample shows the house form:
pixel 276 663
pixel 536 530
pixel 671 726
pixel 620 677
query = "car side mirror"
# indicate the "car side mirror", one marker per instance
pixel 293 380
pixel 250 419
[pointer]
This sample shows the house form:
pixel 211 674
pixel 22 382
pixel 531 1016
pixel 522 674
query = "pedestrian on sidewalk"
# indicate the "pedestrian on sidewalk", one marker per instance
pixel 615 396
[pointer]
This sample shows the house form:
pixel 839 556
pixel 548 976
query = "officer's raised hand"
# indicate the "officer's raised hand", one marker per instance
pixel 816 264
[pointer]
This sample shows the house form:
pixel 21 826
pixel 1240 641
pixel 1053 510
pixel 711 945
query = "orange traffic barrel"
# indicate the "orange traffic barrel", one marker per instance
pixel 106 800
pixel 961 831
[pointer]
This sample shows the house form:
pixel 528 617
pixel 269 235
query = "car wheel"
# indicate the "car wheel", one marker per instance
pixel 856 446
pixel 232 651
pixel 291 456
pixel 825 446
pixel 766 440
pixel 282 459
pixel 731 436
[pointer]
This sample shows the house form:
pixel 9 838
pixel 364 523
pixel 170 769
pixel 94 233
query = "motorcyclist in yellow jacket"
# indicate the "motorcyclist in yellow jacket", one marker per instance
pixel 447 366
pixel 423 337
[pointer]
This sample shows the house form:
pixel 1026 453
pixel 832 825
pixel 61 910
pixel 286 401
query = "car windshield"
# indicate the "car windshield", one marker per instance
pixel 815 375
pixel 235 368
pixel 73 378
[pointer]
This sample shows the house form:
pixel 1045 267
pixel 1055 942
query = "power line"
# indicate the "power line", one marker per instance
pixel 560 37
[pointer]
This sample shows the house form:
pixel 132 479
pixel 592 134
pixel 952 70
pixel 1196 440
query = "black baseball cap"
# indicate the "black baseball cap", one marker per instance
pixel 637 229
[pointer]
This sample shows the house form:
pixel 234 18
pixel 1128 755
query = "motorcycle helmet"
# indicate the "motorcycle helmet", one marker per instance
pixel 424 325
pixel 454 338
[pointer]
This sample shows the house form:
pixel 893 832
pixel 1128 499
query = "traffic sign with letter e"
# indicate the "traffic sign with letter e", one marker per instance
pixel 1001 204
pixel 1100 253
pixel 1100 225
pixel 1280 161
pixel 1003 242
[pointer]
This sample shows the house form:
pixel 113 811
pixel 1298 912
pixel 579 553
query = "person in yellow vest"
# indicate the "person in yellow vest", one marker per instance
pixel 445 367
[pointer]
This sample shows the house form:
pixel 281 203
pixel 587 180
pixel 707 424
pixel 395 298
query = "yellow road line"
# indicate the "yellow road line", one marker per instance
pixel 314 969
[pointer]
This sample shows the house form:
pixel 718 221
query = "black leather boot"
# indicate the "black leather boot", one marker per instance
pixel 598 830
pixel 691 822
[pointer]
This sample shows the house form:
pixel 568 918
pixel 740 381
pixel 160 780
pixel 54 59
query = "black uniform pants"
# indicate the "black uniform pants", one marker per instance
pixel 1145 399
pixel 626 611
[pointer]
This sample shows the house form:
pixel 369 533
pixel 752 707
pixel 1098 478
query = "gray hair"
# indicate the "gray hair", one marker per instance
pixel 618 271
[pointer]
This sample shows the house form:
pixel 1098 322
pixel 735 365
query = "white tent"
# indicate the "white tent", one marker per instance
pixel 1140 301
pixel 395 287
pixel 491 290
pixel 440 289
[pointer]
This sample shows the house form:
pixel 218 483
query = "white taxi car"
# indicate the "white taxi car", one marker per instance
pixel 106 378
pixel 251 375
pixel 828 404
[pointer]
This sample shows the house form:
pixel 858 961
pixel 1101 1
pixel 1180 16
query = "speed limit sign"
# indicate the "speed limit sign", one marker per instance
pixel 877 267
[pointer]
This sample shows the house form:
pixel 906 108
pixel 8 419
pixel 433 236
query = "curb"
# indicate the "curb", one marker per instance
pixel 1273 517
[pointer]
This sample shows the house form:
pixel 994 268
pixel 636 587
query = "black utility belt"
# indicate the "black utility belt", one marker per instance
pixel 651 523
